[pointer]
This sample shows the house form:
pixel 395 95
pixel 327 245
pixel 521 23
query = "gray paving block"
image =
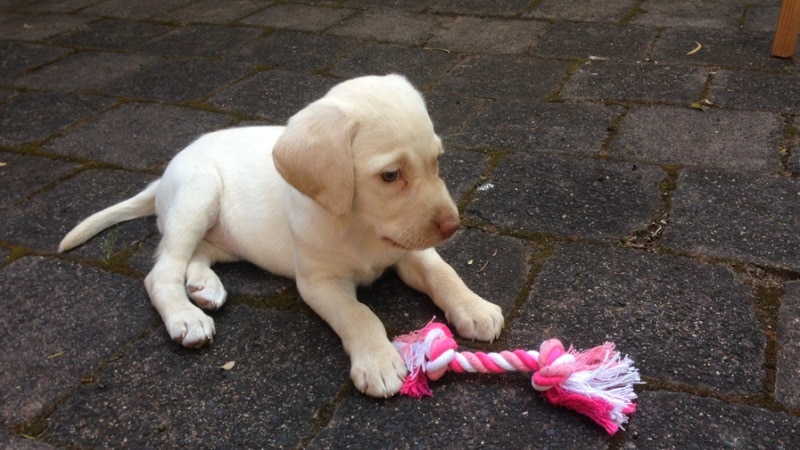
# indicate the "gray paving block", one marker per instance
pixel 585 11
pixel 506 8
pixel 643 82
pixel 449 112
pixel 391 26
pixel 472 34
pixel 742 216
pixel 287 367
pixel 137 135
pixel 466 411
pixel 589 198
pixel 274 95
pixel 37 115
pixel 55 6
pixel 679 420
pixel 527 125
pixel 494 267
pixel 496 76
pixel 584 40
pixel 199 41
pixel 66 320
pixel 740 140
pixel 687 13
pixel 17 58
pixel 23 174
pixel 111 34
pixel 772 92
pixel 85 71
pixel 34 27
pixel 133 9
pixel 422 66
pixel 178 81
pixel 787 383
pixel 296 51
pixel 680 320
pixel 725 48
pixel 461 171
pixel 22 443
pixel 41 222
pixel 299 17
pixel 214 11
pixel 762 18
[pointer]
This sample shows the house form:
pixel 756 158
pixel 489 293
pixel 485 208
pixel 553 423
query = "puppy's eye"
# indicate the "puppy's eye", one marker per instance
pixel 390 176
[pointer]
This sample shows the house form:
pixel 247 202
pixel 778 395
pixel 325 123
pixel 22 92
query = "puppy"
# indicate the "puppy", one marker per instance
pixel 347 189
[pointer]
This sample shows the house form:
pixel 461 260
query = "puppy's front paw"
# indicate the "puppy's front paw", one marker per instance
pixel 476 319
pixel 190 327
pixel 205 288
pixel 378 371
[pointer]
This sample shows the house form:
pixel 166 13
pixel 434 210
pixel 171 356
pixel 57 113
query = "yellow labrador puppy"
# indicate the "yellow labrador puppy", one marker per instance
pixel 348 188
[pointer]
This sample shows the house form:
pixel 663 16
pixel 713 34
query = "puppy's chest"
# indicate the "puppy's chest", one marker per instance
pixel 367 268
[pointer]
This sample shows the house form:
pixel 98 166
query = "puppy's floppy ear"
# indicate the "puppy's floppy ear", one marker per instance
pixel 314 155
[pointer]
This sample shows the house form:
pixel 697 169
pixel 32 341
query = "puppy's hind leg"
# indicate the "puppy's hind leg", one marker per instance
pixel 203 285
pixel 192 207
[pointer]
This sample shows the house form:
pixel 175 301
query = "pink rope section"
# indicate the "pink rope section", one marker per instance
pixel 597 382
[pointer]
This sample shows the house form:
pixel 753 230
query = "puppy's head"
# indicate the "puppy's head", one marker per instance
pixel 367 151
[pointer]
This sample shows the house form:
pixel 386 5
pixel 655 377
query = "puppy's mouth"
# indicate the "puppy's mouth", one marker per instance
pixel 395 244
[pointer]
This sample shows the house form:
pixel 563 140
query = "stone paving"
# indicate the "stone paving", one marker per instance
pixel 614 185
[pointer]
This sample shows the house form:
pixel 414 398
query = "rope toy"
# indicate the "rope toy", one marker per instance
pixel 597 382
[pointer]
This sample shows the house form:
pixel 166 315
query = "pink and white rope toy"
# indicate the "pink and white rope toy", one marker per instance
pixel 597 382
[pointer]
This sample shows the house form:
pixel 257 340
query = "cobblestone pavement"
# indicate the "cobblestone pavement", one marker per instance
pixel 614 183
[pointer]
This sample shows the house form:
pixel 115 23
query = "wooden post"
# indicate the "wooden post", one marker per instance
pixel 787 30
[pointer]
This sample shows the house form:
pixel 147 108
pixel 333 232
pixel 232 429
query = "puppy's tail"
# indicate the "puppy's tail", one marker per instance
pixel 141 205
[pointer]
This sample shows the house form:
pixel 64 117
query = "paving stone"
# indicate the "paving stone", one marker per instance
pixel 137 135
pixel 290 50
pixel 287 367
pixel 391 26
pixel 37 115
pixel 450 112
pixel 787 384
pixel 472 35
pixel 41 222
pixel 526 125
pixel 590 198
pixel 461 171
pixel 23 174
pixel 66 320
pixel 741 140
pixel 679 420
pixel 299 17
pixel 494 267
pixel 33 27
pixel 133 9
pixel 761 18
pixel 680 320
pixel 111 34
pixel 202 41
pixel 645 82
pixel 773 92
pixel 4 254
pixel 215 11
pixel 584 40
pixel 687 13
pixel 179 81
pixel 86 71
pixel 19 57
pixel 421 66
pixel 274 95
pixel 723 48
pixel 584 11
pixel 22 443
pixel 743 216
pixel 405 5
pixel 478 7
pixel 56 6
pixel 504 76
pixel 466 411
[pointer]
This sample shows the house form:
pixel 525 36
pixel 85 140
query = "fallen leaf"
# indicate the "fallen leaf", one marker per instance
pixel 228 365
pixel 696 49
pixel 698 105
pixel 2 164
pixel 55 355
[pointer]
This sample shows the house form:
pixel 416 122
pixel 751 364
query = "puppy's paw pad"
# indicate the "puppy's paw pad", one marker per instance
pixel 206 289
pixel 379 373
pixel 190 328
pixel 477 319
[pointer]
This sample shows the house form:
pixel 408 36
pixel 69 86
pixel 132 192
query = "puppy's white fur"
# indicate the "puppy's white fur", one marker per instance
pixel 348 188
